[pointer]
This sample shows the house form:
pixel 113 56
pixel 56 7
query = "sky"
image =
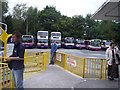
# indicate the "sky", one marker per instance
pixel 66 7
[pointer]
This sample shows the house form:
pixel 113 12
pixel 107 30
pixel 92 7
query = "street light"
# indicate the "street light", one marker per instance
pixel 85 32
pixel 1 1
pixel 5 26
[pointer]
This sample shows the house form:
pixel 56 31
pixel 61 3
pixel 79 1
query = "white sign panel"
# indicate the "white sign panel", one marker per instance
pixel 71 61
pixel 10 47
pixel 58 57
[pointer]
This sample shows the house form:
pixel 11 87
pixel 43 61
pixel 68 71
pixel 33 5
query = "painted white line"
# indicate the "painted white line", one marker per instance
pixel 92 57
pixel 98 54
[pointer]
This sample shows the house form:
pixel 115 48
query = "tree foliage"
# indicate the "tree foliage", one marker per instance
pixel 30 19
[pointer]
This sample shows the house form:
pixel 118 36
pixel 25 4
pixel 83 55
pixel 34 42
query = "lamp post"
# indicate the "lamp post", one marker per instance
pixel 0 11
pixel 1 1
pixel 85 32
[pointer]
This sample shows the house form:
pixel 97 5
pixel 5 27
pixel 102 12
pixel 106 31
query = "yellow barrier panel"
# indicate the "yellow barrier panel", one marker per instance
pixel 48 58
pixel 35 61
pixel 44 61
pixel 5 76
pixel 32 62
pixel 84 67
pixel 3 35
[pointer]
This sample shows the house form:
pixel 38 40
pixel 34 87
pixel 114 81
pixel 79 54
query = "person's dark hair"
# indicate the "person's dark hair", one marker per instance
pixel 18 34
pixel 112 43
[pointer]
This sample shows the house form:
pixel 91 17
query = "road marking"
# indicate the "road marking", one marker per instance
pixel 97 54
pixel 92 57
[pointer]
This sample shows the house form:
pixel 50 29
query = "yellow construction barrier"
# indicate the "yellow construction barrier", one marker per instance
pixel 84 67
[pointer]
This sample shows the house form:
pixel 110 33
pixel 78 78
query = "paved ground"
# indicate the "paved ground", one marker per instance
pixel 53 77
pixel 56 77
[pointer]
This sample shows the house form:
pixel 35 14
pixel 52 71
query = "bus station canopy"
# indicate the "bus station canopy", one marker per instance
pixel 110 10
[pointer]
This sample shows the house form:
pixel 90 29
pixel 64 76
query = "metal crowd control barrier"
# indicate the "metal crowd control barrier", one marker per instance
pixel 5 76
pixel 35 61
pixel 84 67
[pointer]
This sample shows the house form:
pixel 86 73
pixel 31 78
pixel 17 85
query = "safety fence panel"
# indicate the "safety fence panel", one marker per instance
pixel 95 68
pixel 60 59
pixel 35 61
pixel 47 57
pixel 75 65
pixel 5 76
pixel 84 67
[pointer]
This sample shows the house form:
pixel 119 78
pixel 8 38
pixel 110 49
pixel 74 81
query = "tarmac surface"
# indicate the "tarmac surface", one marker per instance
pixel 57 77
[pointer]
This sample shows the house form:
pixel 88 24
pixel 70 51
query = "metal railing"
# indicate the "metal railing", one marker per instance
pixel 34 62
pixel 5 76
pixel 84 67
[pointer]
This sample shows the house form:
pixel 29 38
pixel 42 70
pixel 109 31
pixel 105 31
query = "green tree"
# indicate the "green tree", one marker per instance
pixel 91 27
pixel 19 11
pixel 3 9
pixel 49 19
pixel 19 16
pixel 78 23
pixel 64 25
pixel 9 22
pixel 32 20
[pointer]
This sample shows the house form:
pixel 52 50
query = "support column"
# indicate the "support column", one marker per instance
pixel 0 20
pixel 0 11
pixel 119 11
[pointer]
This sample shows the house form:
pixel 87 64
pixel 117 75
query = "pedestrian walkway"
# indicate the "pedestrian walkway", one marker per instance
pixel 53 77
pixel 56 77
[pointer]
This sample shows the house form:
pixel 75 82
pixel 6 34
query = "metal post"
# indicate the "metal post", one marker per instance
pixel 83 68
pixel 64 59
pixel 27 28
pixel 1 1
pixel 44 60
pixel 119 11
pixel 0 11
pixel 0 19
pixel 118 27
pixel 101 68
